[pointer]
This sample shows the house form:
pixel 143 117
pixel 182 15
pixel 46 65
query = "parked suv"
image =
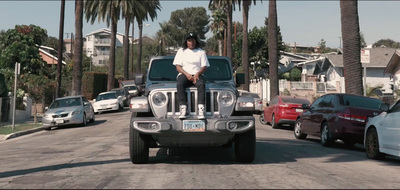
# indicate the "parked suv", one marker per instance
pixel 155 115
pixel 337 116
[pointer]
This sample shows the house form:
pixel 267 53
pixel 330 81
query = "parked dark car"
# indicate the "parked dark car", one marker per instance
pixel 337 116
pixel 283 110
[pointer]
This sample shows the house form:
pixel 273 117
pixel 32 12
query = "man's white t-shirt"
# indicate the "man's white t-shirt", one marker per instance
pixel 191 60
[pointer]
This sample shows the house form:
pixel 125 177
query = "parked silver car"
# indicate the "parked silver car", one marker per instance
pixel 68 110
pixel 258 103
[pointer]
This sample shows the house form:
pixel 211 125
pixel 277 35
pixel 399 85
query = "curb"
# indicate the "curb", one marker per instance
pixel 21 133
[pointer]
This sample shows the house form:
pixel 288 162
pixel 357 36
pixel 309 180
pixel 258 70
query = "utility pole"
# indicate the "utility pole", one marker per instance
pixel 17 67
pixel 60 48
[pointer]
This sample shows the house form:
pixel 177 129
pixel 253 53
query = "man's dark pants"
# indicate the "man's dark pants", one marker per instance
pixel 183 83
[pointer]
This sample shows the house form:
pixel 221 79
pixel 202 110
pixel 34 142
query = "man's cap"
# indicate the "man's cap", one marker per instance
pixel 191 35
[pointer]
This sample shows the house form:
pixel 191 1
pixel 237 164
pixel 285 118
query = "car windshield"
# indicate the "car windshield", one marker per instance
pixel 164 70
pixel 69 102
pixel 106 96
pixel 295 100
pixel 360 102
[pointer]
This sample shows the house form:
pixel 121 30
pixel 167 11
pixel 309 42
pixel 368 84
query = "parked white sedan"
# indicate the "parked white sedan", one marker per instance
pixel 108 101
pixel 382 132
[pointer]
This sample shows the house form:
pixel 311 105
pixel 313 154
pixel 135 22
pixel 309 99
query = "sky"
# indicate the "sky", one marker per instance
pixel 301 22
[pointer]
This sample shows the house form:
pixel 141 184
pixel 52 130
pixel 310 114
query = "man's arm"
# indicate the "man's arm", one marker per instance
pixel 180 70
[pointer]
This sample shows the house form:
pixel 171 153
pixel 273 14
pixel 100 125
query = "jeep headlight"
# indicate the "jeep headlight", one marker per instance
pixel 159 99
pixel 226 98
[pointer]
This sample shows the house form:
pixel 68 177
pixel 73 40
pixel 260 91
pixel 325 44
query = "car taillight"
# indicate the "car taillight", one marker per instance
pixel 351 117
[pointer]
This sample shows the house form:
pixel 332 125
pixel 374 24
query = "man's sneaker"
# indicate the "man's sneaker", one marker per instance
pixel 201 112
pixel 183 112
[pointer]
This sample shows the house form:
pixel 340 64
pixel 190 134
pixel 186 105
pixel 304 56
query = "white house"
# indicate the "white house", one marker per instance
pixel 373 71
pixel 98 45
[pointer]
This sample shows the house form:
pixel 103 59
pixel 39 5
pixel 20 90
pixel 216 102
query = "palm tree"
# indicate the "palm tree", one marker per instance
pixel 229 7
pixel 150 10
pixel 351 47
pixel 218 25
pixel 78 49
pixel 273 48
pixel 108 11
pixel 163 37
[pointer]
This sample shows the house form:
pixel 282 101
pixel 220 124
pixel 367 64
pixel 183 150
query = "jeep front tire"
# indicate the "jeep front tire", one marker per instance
pixel 138 147
pixel 245 146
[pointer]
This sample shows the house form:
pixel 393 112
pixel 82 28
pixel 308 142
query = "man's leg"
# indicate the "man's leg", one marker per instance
pixel 201 93
pixel 182 83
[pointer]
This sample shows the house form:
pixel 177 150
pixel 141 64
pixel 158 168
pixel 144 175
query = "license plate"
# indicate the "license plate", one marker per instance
pixel 59 121
pixel 299 110
pixel 194 126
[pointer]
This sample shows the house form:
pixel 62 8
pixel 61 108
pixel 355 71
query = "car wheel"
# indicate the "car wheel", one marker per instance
pixel 297 130
pixel 262 119
pixel 84 120
pixel 273 124
pixel 326 136
pixel 47 128
pixel 372 145
pixel 93 118
pixel 245 146
pixel 138 147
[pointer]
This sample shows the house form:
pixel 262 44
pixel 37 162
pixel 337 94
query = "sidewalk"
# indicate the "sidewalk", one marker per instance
pixel 20 133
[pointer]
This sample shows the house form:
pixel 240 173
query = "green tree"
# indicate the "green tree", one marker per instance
pixel 21 45
pixel 192 19
pixel 295 74
pixel 218 25
pixel 351 47
pixel 362 40
pixel 149 10
pixel 36 85
pixel 164 38
pixel 387 43
pixel 273 48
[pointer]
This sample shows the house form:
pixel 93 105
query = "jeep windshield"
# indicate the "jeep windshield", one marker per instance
pixel 164 70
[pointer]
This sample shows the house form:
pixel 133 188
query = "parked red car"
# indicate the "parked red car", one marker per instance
pixel 282 110
pixel 337 116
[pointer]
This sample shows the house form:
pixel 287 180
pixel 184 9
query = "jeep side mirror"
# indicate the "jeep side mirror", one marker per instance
pixel 384 107
pixel 240 78
pixel 139 79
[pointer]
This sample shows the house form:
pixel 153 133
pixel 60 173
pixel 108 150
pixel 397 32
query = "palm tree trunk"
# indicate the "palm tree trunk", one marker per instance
pixel 229 33
pixel 126 48
pixel 111 62
pixel 78 47
pixel 139 60
pixel 245 45
pixel 273 48
pixel 133 46
pixel 60 48
pixel 352 68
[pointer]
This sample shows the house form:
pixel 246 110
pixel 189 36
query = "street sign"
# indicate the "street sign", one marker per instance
pixel 365 56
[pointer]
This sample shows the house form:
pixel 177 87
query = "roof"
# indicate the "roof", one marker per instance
pixel 394 61
pixel 379 57
pixel 106 30
pixel 43 50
